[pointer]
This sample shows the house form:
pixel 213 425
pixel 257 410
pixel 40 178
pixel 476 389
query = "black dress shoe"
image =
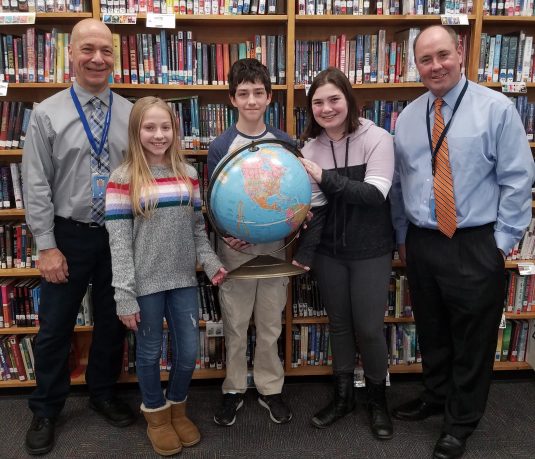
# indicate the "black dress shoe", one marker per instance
pixel 416 410
pixel 449 447
pixel 114 411
pixel 40 435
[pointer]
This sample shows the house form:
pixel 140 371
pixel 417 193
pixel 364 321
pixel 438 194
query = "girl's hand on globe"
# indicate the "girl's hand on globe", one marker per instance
pixel 313 169
pixel 296 263
pixel 219 276
pixel 237 244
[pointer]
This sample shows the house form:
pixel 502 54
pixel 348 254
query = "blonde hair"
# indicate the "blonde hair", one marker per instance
pixel 143 193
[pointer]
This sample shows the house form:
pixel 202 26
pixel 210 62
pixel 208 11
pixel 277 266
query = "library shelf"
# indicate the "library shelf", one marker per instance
pixel 232 19
pixel 372 19
pixel 20 272
pixel 11 213
pixel 506 20
pixel 43 17
pixel 33 330
pixel 410 85
pixel 11 153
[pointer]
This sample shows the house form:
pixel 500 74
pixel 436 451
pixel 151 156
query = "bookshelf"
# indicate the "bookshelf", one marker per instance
pixel 237 28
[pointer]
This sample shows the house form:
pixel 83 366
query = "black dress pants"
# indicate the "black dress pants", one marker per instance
pixel 88 257
pixel 457 288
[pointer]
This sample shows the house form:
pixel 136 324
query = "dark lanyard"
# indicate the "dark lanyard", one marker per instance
pixel 96 148
pixel 445 131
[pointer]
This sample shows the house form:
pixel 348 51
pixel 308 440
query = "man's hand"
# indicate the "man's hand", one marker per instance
pixel 296 263
pixel 236 244
pixel 53 266
pixel 130 321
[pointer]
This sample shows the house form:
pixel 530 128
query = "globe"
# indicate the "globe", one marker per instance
pixel 260 193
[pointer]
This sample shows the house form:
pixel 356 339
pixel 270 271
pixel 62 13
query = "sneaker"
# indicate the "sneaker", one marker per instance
pixel 226 415
pixel 278 410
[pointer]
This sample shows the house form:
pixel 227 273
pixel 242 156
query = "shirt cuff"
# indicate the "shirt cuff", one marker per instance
pixel 46 241
pixel 505 242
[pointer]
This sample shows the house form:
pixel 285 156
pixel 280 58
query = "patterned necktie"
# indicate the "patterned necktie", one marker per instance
pixel 99 165
pixel 443 181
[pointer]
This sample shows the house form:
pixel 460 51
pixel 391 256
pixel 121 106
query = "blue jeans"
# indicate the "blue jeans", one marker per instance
pixel 181 309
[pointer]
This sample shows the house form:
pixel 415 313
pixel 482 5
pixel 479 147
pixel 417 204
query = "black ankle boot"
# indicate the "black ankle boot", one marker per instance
pixel 342 404
pixel 380 421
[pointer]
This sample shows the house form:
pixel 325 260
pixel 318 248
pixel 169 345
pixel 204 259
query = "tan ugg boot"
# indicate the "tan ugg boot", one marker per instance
pixel 187 431
pixel 160 431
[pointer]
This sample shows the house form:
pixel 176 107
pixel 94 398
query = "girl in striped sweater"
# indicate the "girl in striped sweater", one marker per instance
pixel 157 237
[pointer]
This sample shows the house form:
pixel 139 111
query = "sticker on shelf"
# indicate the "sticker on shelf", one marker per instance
pixel 502 321
pixel 454 19
pixel 3 88
pixel 161 21
pixel 307 88
pixel 17 18
pixel 119 18
pixel 526 269
pixel 517 87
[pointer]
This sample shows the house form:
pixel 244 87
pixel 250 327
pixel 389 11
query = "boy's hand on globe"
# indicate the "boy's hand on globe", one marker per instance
pixel 219 276
pixel 237 244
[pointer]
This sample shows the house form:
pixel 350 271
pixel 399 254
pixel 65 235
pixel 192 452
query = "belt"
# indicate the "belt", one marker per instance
pixel 70 221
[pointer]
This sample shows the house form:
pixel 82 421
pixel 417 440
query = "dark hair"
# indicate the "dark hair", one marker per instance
pixel 248 71
pixel 451 32
pixel 337 78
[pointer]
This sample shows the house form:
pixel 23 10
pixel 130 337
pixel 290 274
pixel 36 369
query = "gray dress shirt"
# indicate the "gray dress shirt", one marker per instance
pixel 56 166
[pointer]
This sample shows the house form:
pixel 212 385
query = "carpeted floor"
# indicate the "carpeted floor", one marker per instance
pixel 506 431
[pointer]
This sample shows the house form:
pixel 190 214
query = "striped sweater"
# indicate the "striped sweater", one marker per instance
pixel 159 253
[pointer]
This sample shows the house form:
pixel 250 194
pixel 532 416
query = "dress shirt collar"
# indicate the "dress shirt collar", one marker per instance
pixel 450 97
pixel 85 96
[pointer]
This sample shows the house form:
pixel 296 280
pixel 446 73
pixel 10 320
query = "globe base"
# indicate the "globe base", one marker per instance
pixel 263 267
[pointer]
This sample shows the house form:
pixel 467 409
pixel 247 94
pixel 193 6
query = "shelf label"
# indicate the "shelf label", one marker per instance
pixel 3 88
pixel 454 19
pixel 214 329
pixel 526 269
pixel 17 18
pixel 119 18
pixel 161 21
pixel 502 321
pixel 517 87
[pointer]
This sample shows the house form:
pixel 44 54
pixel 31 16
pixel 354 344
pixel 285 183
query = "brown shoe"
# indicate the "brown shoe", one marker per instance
pixel 160 431
pixel 187 431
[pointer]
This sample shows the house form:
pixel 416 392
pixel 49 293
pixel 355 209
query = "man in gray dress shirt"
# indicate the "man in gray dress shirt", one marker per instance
pixel 69 152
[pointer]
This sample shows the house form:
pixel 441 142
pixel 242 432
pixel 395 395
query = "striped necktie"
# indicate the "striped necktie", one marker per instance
pixel 99 165
pixel 443 181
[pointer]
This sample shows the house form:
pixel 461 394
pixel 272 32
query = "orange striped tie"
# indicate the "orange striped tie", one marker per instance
pixel 443 182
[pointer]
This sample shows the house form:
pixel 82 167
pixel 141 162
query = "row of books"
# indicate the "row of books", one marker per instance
pixel 525 248
pixel 366 58
pixel 384 7
pixel 14 120
pixel 11 186
pixel 508 7
pixel 311 345
pixel 194 7
pixel 17 246
pixel 306 300
pixel 44 6
pixel 513 340
pixel 16 358
pixel 20 302
pixel 402 344
pixel 165 58
pixel 506 58
pixel 519 293
pixel 526 110
pixel 398 303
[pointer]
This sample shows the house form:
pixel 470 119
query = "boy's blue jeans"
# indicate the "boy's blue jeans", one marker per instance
pixel 180 308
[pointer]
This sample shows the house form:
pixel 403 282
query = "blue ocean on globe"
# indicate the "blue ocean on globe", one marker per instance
pixel 261 196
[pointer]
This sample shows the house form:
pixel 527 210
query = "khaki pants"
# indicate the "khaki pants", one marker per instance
pixel 240 299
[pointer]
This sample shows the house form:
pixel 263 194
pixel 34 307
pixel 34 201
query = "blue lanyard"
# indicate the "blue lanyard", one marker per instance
pixel 96 148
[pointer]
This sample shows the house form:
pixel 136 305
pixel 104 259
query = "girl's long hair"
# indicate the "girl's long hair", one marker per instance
pixel 143 192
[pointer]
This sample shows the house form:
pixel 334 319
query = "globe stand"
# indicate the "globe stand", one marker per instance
pixel 263 266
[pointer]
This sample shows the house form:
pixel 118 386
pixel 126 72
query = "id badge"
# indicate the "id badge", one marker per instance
pixel 99 182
